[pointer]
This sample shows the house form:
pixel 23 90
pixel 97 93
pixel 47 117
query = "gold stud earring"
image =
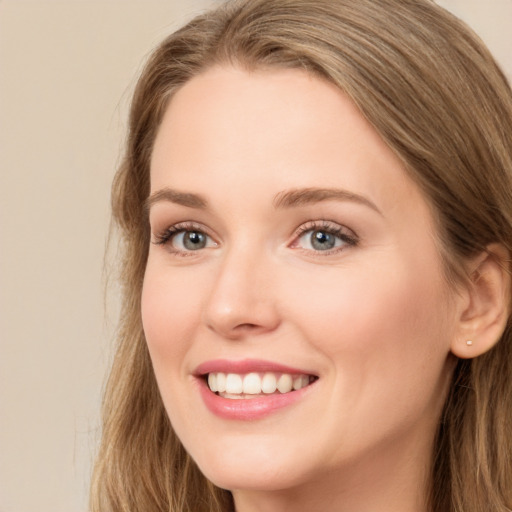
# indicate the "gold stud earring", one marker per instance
pixel 469 343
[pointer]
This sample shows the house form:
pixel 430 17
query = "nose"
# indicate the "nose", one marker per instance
pixel 242 301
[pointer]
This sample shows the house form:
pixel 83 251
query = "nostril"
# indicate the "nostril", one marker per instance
pixel 246 327
pixel 239 331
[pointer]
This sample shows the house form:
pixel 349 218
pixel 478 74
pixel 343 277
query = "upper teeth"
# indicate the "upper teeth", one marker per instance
pixel 255 383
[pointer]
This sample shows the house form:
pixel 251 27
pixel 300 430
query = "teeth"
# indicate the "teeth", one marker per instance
pixel 300 382
pixel 212 382
pixel 252 384
pixel 236 386
pixel 269 383
pixel 221 382
pixel 285 383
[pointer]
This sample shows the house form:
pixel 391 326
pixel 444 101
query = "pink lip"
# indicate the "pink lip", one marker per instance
pixel 246 366
pixel 249 409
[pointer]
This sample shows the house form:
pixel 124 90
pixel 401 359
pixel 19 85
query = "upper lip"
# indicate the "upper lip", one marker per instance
pixel 244 366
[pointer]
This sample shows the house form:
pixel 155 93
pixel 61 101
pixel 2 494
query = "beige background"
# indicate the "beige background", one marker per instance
pixel 66 68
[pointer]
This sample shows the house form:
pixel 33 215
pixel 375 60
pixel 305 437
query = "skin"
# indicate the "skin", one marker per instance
pixel 373 318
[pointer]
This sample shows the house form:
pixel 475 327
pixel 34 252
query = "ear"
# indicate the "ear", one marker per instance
pixel 485 308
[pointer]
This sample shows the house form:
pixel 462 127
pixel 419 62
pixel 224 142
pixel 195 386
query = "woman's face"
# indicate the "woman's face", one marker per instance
pixel 290 248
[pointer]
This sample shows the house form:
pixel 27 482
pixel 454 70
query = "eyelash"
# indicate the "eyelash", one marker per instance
pixel 166 236
pixel 346 235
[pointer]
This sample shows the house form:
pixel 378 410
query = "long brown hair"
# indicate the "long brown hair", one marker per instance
pixel 434 93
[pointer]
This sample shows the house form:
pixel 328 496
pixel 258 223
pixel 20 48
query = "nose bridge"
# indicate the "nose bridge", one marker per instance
pixel 241 299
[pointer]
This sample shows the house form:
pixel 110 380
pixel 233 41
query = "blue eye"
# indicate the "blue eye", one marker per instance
pixel 190 240
pixel 324 238
pixel 319 240
pixel 184 239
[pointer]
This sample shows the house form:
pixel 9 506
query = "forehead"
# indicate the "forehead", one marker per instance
pixel 281 128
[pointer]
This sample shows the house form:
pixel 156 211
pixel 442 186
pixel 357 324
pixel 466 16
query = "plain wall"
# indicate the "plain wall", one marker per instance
pixel 66 69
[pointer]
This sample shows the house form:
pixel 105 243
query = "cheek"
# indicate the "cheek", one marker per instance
pixel 358 305
pixel 383 330
pixel 385 336
pixel 169 311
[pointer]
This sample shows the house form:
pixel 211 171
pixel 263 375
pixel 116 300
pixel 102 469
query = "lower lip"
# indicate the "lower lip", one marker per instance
pixel 249 409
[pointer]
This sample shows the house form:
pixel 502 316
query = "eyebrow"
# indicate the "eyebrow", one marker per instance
pixel 304 196
pixel 174 196
pixel 286 199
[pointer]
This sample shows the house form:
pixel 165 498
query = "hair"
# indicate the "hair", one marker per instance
pixel 435 95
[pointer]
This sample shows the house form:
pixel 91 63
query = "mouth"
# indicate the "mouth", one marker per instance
pixel 252 389
pixel 240 386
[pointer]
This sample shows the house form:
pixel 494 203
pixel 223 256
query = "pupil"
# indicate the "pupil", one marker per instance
pixel 194 240
pixel 322 241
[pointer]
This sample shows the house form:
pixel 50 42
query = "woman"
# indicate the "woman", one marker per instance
pixel 315 206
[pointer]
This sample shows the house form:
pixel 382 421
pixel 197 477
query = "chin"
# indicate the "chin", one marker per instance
pixel 250 478
pixel 240 470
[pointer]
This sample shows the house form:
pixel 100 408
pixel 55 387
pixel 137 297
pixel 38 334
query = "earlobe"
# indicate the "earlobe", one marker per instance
pixel 487 299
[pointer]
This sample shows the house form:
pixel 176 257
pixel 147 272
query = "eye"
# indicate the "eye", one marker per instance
pixel 190 240
pixel 324 237
pixel 184 239
pixel 320 240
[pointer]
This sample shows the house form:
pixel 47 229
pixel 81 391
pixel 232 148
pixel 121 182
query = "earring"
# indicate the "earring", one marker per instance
pixel 469 343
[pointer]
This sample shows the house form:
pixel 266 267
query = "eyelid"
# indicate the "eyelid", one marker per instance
pixel 165 236
pixel 347 235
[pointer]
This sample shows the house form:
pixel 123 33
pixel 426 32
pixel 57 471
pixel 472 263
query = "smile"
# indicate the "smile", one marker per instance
pixel 251 389
pixel 252 385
